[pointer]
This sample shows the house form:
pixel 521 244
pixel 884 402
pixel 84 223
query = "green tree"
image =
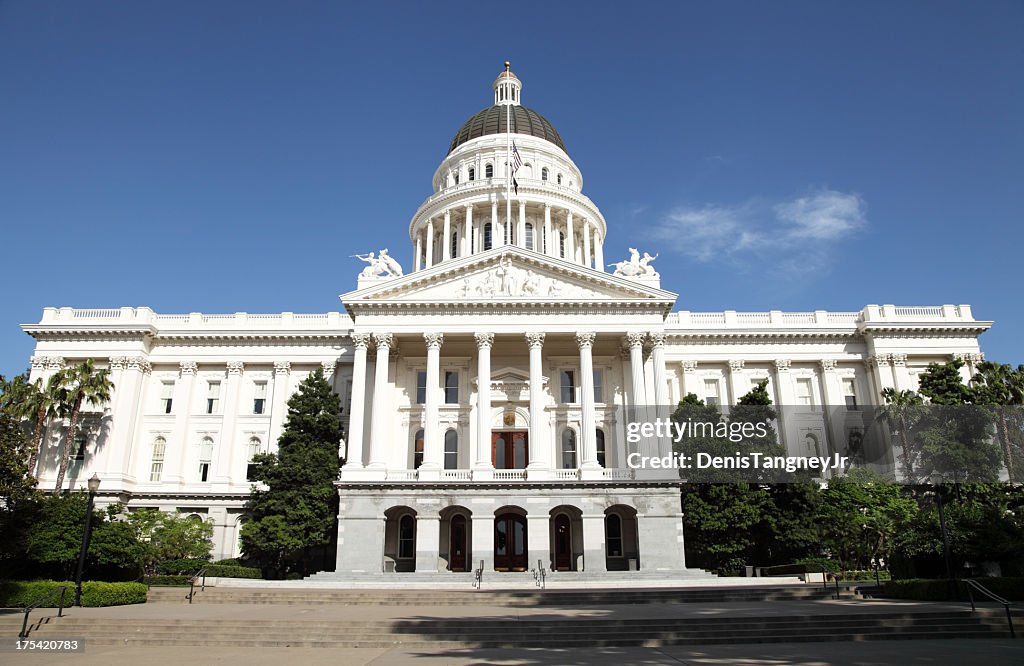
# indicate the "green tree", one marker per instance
pixel 36 401
pixel 55 538
pixel 956 436
pixel 18 492
pixel 1001 389
pixel 902 412
pixel 860 516
pixel 171 536
pixel 296 513
pixel 80 384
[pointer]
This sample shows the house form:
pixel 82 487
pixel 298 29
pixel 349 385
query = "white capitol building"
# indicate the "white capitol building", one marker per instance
pixel 484 392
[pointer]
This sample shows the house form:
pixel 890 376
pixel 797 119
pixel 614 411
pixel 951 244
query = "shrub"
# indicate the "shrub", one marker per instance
pixel 16 593
pixel 160 580
pixel 936 590
pixel 224 571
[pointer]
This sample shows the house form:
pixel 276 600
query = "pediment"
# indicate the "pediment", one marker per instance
pixel 510 275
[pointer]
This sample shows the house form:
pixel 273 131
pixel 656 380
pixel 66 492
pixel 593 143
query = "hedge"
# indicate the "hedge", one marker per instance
pixel 181 567
pixel 929 589
pixel 224 571
pixel 16 593
pixel 162 580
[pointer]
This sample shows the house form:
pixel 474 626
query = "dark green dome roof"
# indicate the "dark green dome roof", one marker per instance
pixel 492 120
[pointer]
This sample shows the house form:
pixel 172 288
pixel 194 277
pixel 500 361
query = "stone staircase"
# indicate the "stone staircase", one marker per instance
pixel 518 632
pixel 466 596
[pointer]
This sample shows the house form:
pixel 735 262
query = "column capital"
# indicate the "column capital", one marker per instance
pixel 383 340
pixel 188 368
pixel 657 339
pixel 235 367
pixel 635 339
pixel 484 340
pixel 282 367
pixel 360 340
pixel 899 360
pixel 139 363
pixel 585 339
pixel 38 362
pixel 878 360
pixel 535 339
pixel 433 340
pixel 689 365
pixel 56 362
pixel 782 364
pixel 116 362
pixel 329 367
pixel 827 364
pixel 736 364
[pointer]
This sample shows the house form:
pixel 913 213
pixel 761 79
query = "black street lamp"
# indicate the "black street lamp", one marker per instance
pixel 950 584
pixel 94 485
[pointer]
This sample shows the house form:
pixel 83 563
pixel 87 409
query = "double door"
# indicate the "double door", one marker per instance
pixel 510 449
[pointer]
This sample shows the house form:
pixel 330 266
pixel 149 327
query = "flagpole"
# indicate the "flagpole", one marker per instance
pixel 507 229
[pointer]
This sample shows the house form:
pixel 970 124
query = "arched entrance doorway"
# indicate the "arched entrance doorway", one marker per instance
pixel 510 549
pixel 458 543
pixel 563 543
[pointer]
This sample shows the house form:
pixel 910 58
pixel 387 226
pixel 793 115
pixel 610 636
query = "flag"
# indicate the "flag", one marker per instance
pixel 515 185
pixel 516 160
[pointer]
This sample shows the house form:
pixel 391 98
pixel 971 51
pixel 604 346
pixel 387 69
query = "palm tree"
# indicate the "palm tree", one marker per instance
pixel 80 384
pixel 34 401
pixel 902 411
pixel 999 386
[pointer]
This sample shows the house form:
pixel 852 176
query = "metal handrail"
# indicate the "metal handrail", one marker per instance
pixel 540 574
pixel 478 576
pixel 39 602
pixel 975 585
pixel 192 584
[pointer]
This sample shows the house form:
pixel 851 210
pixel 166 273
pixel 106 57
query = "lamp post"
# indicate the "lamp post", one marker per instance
pixel 947 555
pixel 94 485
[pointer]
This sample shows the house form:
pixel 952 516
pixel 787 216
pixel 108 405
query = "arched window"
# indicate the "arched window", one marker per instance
pixel 544 173
pixel 205 458
pixel 488 171
pixel 417 449
pixel 454 248
pixel 529 236
pixel 601 457
pixel 559 179
pixel 156 469
pixel 472 173
pixel 613 534
pixel 407 537
pixel 451 450
pixel 561 244
pixel 487 236
pixel 568 449
pixel 255 448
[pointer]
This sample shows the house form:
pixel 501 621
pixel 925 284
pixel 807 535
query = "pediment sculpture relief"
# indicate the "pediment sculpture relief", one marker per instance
pixel 513 281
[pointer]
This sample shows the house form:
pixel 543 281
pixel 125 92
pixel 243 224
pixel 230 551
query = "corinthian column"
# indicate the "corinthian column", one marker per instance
pixel 638 400
pixel 378 415
pixel 483 463
pixel 357 408
pixel 660 387
pixel 588 425
pixel 432 457
pixel 540 454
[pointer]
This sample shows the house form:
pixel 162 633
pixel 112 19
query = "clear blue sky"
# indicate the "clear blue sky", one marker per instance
pixel 229 156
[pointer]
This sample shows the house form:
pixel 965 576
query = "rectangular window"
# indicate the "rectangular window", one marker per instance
pixel 568 386
pixel 451 388
pixel 850 393
pixel 712 398
pixel 205 459
pixel 166 397
pixel 213 397
pixel 348 396
pixel 78 449
pixel 259 401
pixel 598 386
pixel 421 387
pixel 803 392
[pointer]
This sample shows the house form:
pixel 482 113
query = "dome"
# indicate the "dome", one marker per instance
pixel 492 120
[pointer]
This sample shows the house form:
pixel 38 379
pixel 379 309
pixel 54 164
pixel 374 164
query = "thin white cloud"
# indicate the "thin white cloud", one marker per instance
pixel 791 236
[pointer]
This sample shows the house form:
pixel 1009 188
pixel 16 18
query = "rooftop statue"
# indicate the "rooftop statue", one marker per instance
pixel 636 266
pixel 383 265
